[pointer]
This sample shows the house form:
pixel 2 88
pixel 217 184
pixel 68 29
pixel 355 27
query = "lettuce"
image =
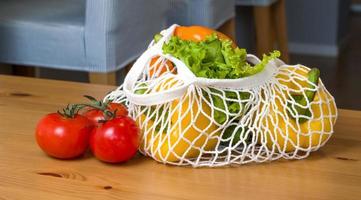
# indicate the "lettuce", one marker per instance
pixel 215 58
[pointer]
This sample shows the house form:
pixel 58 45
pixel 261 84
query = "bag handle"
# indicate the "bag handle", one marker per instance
pixel 183 73
pixel 186 76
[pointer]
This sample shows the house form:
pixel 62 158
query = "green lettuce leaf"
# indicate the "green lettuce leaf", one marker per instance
pixel 215 58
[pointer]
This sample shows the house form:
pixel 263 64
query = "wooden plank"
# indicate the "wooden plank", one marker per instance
pixel 334 172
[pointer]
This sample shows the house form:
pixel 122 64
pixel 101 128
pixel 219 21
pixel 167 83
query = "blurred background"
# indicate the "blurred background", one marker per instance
pixel 97 40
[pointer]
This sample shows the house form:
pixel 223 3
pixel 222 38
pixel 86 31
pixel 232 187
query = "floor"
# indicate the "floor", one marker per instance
pixel 341 75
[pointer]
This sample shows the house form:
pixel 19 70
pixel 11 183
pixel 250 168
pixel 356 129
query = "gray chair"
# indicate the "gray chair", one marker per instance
pixel 270 25
pixel 97 36
pixel 217 14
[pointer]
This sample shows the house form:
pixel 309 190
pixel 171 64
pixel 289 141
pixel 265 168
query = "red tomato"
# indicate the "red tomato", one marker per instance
pixel 121 109
pixel 95 114
pixel 62 137
pixel 116 140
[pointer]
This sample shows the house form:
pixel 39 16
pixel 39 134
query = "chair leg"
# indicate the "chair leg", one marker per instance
pixel 37 72
pixel 24 71
pixel 264 30
pixel 128 67
pixel 6 69
pixel 229 28
pixel 279 14
pixel 102 78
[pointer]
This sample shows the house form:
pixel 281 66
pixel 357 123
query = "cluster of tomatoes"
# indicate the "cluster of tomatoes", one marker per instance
pixel 112 136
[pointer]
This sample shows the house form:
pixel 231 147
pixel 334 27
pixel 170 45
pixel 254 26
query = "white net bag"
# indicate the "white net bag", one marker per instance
pixel 280 112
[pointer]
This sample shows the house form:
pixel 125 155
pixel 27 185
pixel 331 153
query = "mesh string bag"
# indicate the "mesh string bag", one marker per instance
pixel 187 120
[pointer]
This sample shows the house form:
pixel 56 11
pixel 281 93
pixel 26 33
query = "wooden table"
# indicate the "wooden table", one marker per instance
pixel 334 172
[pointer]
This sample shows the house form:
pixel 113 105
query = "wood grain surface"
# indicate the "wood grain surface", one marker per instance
pixel 26 172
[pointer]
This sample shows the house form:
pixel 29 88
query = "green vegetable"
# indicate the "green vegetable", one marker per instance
pixel 214 58
pixel 230 103
pixel 152 111
pixel 234 134
pixel 313 77
pixel 157 37
pixel 142 88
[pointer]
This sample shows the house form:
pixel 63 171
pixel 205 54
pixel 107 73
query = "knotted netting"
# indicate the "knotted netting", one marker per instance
pixel 280 112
